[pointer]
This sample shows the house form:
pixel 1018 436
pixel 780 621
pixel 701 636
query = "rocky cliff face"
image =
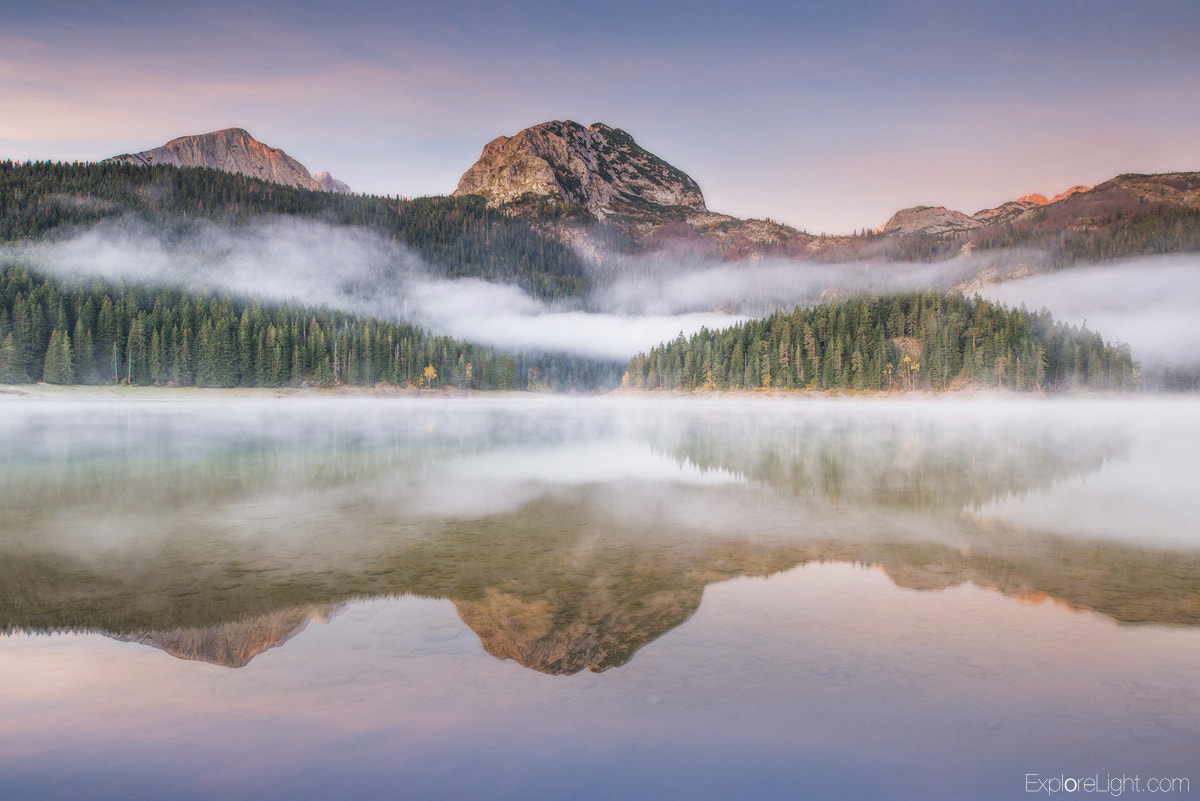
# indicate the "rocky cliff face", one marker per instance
pixel 234 150
pixel 599 168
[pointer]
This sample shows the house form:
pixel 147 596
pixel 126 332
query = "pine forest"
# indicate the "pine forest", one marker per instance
pixel 104 333
pixel 922 340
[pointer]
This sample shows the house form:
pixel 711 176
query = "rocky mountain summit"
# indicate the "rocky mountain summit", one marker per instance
pixel 235 150
pixel 598 168
pixel 602 171
pixel 928 220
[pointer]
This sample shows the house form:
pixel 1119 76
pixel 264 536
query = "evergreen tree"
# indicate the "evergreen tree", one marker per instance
pixel 58 368
pixel 11 371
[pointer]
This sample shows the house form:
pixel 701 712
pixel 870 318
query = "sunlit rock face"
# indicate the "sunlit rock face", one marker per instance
pixel 1074 190
pixel 599 168
pixel 234 150
pixel 1013 209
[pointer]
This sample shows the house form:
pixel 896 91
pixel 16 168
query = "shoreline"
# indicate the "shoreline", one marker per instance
pixel 159 393
pixel 118 392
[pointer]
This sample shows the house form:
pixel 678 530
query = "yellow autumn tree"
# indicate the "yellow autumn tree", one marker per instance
pixel 910 370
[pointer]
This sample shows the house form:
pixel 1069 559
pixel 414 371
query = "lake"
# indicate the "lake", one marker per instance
pixel 625 598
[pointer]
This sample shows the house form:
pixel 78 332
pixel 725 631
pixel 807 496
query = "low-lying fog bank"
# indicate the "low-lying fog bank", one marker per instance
pixel 636 303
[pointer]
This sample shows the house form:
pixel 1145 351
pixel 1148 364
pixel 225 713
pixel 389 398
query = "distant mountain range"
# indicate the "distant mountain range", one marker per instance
pixel 940 220
pixel 1074 207
pixel 603 171
pixel 561 172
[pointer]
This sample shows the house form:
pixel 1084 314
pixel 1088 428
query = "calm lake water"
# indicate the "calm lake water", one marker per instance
pixel 555 598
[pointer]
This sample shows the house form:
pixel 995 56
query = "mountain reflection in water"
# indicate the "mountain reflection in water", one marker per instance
pixel 567 534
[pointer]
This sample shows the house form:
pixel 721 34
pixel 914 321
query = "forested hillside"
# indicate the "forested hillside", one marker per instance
pixel 456 236
pixel 1128 216
pixel 104 333
pixel 914 341
pixel 1153 231
pixel 462 236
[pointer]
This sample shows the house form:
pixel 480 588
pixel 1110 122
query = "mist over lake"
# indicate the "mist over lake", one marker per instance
pixel 595 598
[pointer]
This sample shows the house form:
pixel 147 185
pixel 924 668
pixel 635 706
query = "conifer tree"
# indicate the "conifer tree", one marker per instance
pixel 58 367
pixel 11 371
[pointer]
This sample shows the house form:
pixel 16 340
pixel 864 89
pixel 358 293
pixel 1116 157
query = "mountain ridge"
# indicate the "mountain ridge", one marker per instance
pixel 941 220
pixel 570 168
pixel 564 178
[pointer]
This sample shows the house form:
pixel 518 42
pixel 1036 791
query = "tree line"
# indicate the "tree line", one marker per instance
pixel 113 333
pixel 462 236
pixel 924 340
pixel 457 236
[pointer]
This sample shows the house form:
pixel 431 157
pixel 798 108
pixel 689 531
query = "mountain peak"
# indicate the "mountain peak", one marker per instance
pixel 928 220
pixel 233 150
pixel 599 167
pixel 327 183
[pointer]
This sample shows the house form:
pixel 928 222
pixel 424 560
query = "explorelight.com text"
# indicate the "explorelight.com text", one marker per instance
pixel 1107 784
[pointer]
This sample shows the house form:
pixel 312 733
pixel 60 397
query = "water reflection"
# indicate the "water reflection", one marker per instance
pixel 568 535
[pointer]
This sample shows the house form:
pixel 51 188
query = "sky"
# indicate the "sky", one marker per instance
pixel 825 116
